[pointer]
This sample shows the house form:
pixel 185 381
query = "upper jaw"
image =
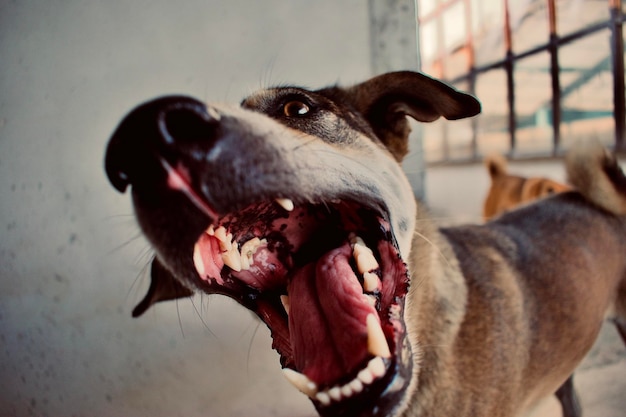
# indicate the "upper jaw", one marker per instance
pixel 188 212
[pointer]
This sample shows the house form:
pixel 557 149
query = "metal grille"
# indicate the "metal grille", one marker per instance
pixel 547 72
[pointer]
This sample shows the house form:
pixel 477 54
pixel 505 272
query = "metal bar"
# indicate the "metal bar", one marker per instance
pixel 563 40
pixel 554 75
pixel 510 82
pixel 471 64
pixel 441 73
pixel 619 101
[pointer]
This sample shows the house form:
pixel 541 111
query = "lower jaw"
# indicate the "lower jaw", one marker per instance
pixel 382 398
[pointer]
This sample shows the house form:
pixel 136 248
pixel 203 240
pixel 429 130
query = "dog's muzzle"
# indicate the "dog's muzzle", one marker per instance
pixel 231 207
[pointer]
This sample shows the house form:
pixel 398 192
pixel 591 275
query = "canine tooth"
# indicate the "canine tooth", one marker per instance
pixel 366 376
pixel 225 238
pixel 301 382
pixel 323 397
pixel 358 240
pixel 335 393
pixel 370 281
pixel 377 366
pixel 365 260
pixel 232 258
pixel 355 239
pixel 197 260
pixel 210 230
pixel 356 385
pixel 220 233
pixel 285 203
pixel 227 244
pixel 376 341
pixel 360 247
pixel 284 299
pixel 371 300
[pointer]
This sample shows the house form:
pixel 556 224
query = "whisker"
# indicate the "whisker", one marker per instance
pixel 180 321
pixel 198 313
pixel 254 333
pixel 145 256
pixel 268 73
pixel 435 247
pixel 123 245
pixel 134 286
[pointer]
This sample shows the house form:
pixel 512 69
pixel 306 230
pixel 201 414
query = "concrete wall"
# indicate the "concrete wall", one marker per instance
pixel 71 259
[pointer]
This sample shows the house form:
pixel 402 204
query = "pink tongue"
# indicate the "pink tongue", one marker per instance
pixel 327 317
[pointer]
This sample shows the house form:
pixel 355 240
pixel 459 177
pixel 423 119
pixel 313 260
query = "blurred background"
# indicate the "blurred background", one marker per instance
pixel 548 73
pixel 72 261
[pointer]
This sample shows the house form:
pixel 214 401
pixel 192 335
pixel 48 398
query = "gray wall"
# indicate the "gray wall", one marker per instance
pixel 71 259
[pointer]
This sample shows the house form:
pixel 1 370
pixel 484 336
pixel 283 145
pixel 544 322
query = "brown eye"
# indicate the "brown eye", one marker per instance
pixel 295 109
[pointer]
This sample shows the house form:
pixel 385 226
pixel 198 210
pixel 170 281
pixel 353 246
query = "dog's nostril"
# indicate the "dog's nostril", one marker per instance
pixel 187 124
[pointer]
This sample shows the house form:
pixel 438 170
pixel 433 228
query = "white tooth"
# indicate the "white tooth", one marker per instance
pixel 356 385
pixel 248 250
pixel 210 231
pixel 301 382
pixel 227 245
pixel 366 376
pixel 346 391
pixel 370 281
pixel 355 239
pixel 285 203
pixel 377 366
pixel 371 300
pixel 376 341
pixel 285 300
pixel 232 258
pixel 360 247
pixel 220 233
pixel 225 239
pixel 197 261
pixel 335 393
pixel 323 397
pixel 365 260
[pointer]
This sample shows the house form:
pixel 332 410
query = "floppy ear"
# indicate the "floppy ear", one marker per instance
pixel 387 99
pixel 163 287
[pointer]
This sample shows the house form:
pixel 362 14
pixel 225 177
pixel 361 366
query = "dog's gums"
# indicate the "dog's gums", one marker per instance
pixel 333 301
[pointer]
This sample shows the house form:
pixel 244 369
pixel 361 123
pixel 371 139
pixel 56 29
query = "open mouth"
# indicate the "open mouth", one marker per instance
pixel 328 280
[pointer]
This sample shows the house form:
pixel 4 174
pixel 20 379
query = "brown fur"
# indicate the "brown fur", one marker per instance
pixel 514 306
pixel 497 316
pixel 509 191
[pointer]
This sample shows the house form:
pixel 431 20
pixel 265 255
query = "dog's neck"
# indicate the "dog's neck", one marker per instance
pixel 437 291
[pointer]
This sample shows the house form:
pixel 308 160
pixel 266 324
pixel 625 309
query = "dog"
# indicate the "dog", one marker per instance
pixel 509 191
pixel 294 204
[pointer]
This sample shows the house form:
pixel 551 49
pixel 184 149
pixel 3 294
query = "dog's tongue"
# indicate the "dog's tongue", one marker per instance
pixel 327 318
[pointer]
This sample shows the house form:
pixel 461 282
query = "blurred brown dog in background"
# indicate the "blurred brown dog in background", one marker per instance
pixel 509 191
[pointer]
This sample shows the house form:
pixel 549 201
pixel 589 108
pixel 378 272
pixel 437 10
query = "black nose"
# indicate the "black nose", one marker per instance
pixel 166 125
